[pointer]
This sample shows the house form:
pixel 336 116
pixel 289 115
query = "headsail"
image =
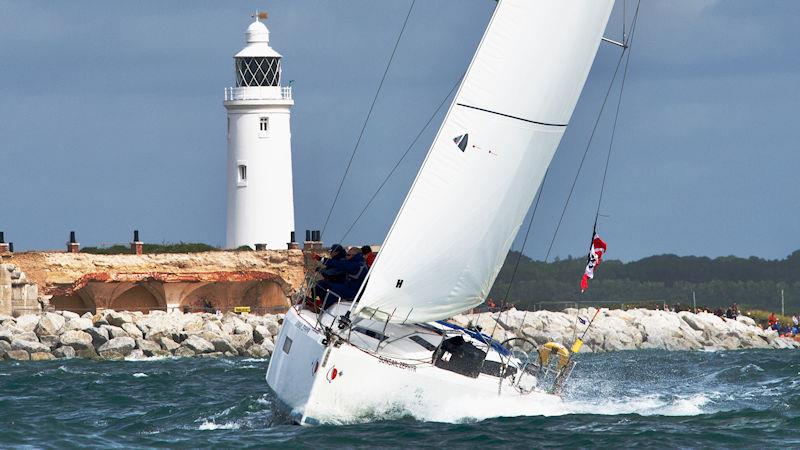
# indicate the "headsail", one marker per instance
pixel 487 161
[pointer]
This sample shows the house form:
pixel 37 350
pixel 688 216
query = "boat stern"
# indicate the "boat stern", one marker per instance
pixel 295 363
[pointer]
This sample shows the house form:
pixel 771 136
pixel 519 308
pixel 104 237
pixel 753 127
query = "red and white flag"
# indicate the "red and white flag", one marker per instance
pixel 595 256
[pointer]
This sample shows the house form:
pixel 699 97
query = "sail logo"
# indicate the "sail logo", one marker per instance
pixel 462 141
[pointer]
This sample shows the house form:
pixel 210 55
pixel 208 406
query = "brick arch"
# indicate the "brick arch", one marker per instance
pixel 73 302
pixel 260 295
pixel 136 298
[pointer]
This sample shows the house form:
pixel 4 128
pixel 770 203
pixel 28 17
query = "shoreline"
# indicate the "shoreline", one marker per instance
pixel 112 335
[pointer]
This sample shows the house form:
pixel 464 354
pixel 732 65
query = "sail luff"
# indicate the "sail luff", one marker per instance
pixel 486 163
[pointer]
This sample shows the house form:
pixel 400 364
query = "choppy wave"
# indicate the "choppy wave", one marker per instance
pixel 618 399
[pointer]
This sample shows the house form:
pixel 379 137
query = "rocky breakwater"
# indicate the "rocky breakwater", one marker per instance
pixel 629 329
pixel 121 335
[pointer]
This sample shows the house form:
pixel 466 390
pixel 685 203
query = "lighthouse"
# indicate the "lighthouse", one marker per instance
pixel 260 199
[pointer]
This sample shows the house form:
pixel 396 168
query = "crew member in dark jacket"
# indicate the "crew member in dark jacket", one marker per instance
pixel 354 269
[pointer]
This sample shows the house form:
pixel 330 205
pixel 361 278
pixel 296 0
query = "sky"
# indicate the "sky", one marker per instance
pixel 111 120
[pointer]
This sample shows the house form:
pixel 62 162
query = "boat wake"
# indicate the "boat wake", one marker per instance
pixel 472 409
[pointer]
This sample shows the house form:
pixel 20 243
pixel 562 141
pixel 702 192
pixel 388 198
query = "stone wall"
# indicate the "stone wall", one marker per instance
pixel 18 295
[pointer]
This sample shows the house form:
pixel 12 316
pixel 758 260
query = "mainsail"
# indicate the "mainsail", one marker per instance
pixel 460 217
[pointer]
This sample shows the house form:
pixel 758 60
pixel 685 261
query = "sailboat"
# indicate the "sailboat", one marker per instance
pixel 482 171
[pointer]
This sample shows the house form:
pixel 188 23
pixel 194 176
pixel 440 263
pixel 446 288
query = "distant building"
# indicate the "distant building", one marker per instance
pixel 260 198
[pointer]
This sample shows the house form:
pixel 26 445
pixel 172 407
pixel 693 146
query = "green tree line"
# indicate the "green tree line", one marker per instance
pixel 717 282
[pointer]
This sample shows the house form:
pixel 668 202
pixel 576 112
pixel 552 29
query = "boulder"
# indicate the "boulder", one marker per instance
pixel 213 327
pixel 99 336
pixel 27 322
pixel 4 347
pixel 260 333
pixel 18 355
pixel 268 346
pixel 71 315
pixel 272 326
pixel 132 330
pixel 149 348
pixel 168 344
pixel 50 323
pixel 242 327
pixel 122 345
pixel 89 353
pixel 5 335
pixel 184 352
pixel 64 352
pixel 241 342
pixel 112 355
pixel 117 318
pixel 222 345
pixel 198 344
pixel 42 356
pixel 78 340
pixel 29 346
pixel 50 340
pixel 79 323
pixel 115 331
pixel 87 315
pixel 257 351
pixel 136 354
pixel 27 336
pixel 746 320
pixel 210 336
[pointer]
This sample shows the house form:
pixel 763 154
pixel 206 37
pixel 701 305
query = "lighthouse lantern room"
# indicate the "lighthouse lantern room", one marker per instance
pixel 260 199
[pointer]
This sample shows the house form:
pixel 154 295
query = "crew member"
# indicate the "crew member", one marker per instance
pixel 354 270
pixel 369 255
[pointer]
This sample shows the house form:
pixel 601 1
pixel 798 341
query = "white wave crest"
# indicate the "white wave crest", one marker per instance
pixel 207 425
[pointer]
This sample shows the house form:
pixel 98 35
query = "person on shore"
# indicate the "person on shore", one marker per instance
pixel 354 270
pixel 795 320
pixel 369 255
pixel 772 320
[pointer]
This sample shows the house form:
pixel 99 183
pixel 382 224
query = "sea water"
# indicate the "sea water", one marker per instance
pixel 638 398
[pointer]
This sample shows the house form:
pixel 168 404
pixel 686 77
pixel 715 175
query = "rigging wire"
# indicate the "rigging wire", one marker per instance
pixel 591 136
pixel 614 126
pixel 369 114
pixel 399 161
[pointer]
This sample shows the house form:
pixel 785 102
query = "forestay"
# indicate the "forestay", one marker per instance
pixel 487 161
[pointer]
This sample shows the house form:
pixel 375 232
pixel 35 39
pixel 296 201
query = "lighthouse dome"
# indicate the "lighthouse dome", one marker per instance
pixel 257 43
pixel 257 32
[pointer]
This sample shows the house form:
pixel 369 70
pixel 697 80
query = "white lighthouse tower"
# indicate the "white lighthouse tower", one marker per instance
pixel 260 200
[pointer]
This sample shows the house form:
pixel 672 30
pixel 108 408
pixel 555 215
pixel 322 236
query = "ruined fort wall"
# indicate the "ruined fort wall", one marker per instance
pixel 83 282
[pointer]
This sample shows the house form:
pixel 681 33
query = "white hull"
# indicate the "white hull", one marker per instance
pixel 369 384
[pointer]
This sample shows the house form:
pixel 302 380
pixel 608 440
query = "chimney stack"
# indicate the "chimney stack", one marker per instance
pixel 73 246
pixel 261 247
pixel 4 248
pixel 292 245
pixel 318 240
pixel 136 246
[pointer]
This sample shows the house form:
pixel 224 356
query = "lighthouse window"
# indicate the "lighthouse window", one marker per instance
pixel 263 126
pixel 242 173
pixel 258 71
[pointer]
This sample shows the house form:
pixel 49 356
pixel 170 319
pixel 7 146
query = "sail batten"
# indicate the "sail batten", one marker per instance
pixel 487 161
